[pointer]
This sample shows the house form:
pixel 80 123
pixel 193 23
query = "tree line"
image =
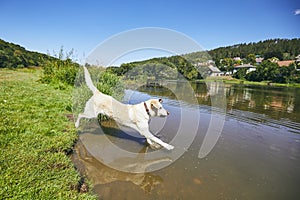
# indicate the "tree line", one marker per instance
pixel 194 65
pixel 15 56
pixel 270 71
pixel 283 49
pixel 158 68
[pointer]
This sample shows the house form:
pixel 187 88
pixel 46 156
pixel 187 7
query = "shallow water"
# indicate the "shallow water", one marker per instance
pixel 256 157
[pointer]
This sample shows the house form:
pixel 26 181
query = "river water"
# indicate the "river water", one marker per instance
pixel 257 155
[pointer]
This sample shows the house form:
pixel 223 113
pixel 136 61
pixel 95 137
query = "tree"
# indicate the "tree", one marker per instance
pixel 240 74
pixel 267 71
pixel 227 64
pixel 280 48
pixel 251 59
pixel 12 56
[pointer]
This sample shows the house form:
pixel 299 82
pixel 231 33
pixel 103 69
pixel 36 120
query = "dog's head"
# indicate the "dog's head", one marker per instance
pixel 157 108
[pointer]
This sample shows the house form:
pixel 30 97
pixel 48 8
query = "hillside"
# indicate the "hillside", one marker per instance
pixel 15 56
pixel 283 49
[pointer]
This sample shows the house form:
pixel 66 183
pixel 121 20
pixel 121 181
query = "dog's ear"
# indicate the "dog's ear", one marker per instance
pixel 154 104
pixel 160 100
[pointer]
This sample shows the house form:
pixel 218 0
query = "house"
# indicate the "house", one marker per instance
pixel 259 60
pixel 250 68
pixel 208 68
pixel 214 71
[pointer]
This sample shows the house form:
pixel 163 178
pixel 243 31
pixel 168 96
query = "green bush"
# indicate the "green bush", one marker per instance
pixel 110 84
pixel 60 73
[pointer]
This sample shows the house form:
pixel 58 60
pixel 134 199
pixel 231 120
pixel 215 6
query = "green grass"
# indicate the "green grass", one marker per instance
pixel 35 135
pixel 227 79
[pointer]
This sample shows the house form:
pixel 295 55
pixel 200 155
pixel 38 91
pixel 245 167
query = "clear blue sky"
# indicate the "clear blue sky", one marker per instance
pixel 43 26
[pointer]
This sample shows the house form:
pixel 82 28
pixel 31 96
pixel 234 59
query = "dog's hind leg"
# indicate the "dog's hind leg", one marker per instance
pixel 82 115
pixel 89 112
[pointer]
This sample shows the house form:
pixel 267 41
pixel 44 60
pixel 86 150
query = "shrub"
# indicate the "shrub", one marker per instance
pixel 60 73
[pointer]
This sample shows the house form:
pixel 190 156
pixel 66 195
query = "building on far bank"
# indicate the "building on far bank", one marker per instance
pixel 259 60
pixel 250 68
pixel 208 68
pixel 214 71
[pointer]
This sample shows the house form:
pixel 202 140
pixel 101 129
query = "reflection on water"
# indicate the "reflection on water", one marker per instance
pixel 100 174
pixel 276 106
pixel 257 156
pixel 275 102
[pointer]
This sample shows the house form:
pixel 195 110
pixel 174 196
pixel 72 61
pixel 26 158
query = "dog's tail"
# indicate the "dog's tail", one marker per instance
pixel 88 80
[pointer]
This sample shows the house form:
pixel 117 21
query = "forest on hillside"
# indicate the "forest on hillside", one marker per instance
pixel 191 66
pixel 15 56
pixel 283 49
pixel 195 65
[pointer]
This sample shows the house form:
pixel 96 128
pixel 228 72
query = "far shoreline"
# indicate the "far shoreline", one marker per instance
pixel 230 80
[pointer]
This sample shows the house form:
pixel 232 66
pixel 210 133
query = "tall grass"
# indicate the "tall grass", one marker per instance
pixel 64 72
pixel 60 73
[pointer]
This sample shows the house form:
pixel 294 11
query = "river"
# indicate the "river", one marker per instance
pixel 256 156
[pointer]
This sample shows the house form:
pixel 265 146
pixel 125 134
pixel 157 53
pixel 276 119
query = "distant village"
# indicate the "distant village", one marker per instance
pixel 239 64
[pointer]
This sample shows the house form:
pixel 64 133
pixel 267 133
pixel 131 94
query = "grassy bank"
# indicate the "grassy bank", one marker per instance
pixel 35 136
pixel 231 80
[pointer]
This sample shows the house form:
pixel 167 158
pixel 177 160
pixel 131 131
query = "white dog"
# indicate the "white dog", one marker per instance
pixel 133 116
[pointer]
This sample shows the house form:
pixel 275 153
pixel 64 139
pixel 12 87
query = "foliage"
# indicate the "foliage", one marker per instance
pixel 60 72
pixel 110 84
pixel 270 71
pixel 197 57
pixel 15 56
pixel 240 74
pixel 159 68
pixel 251 59
pixel 284 49
pixel 223 57
pixel 226 64
pixel 35 135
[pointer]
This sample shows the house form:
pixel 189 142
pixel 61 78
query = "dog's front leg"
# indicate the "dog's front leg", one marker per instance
pixel 153 145
pixel 144 130
pixel 151 137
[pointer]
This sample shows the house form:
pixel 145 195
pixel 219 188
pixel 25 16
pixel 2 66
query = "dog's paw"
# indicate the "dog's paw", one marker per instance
pixel 169 147
pixel 155 146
